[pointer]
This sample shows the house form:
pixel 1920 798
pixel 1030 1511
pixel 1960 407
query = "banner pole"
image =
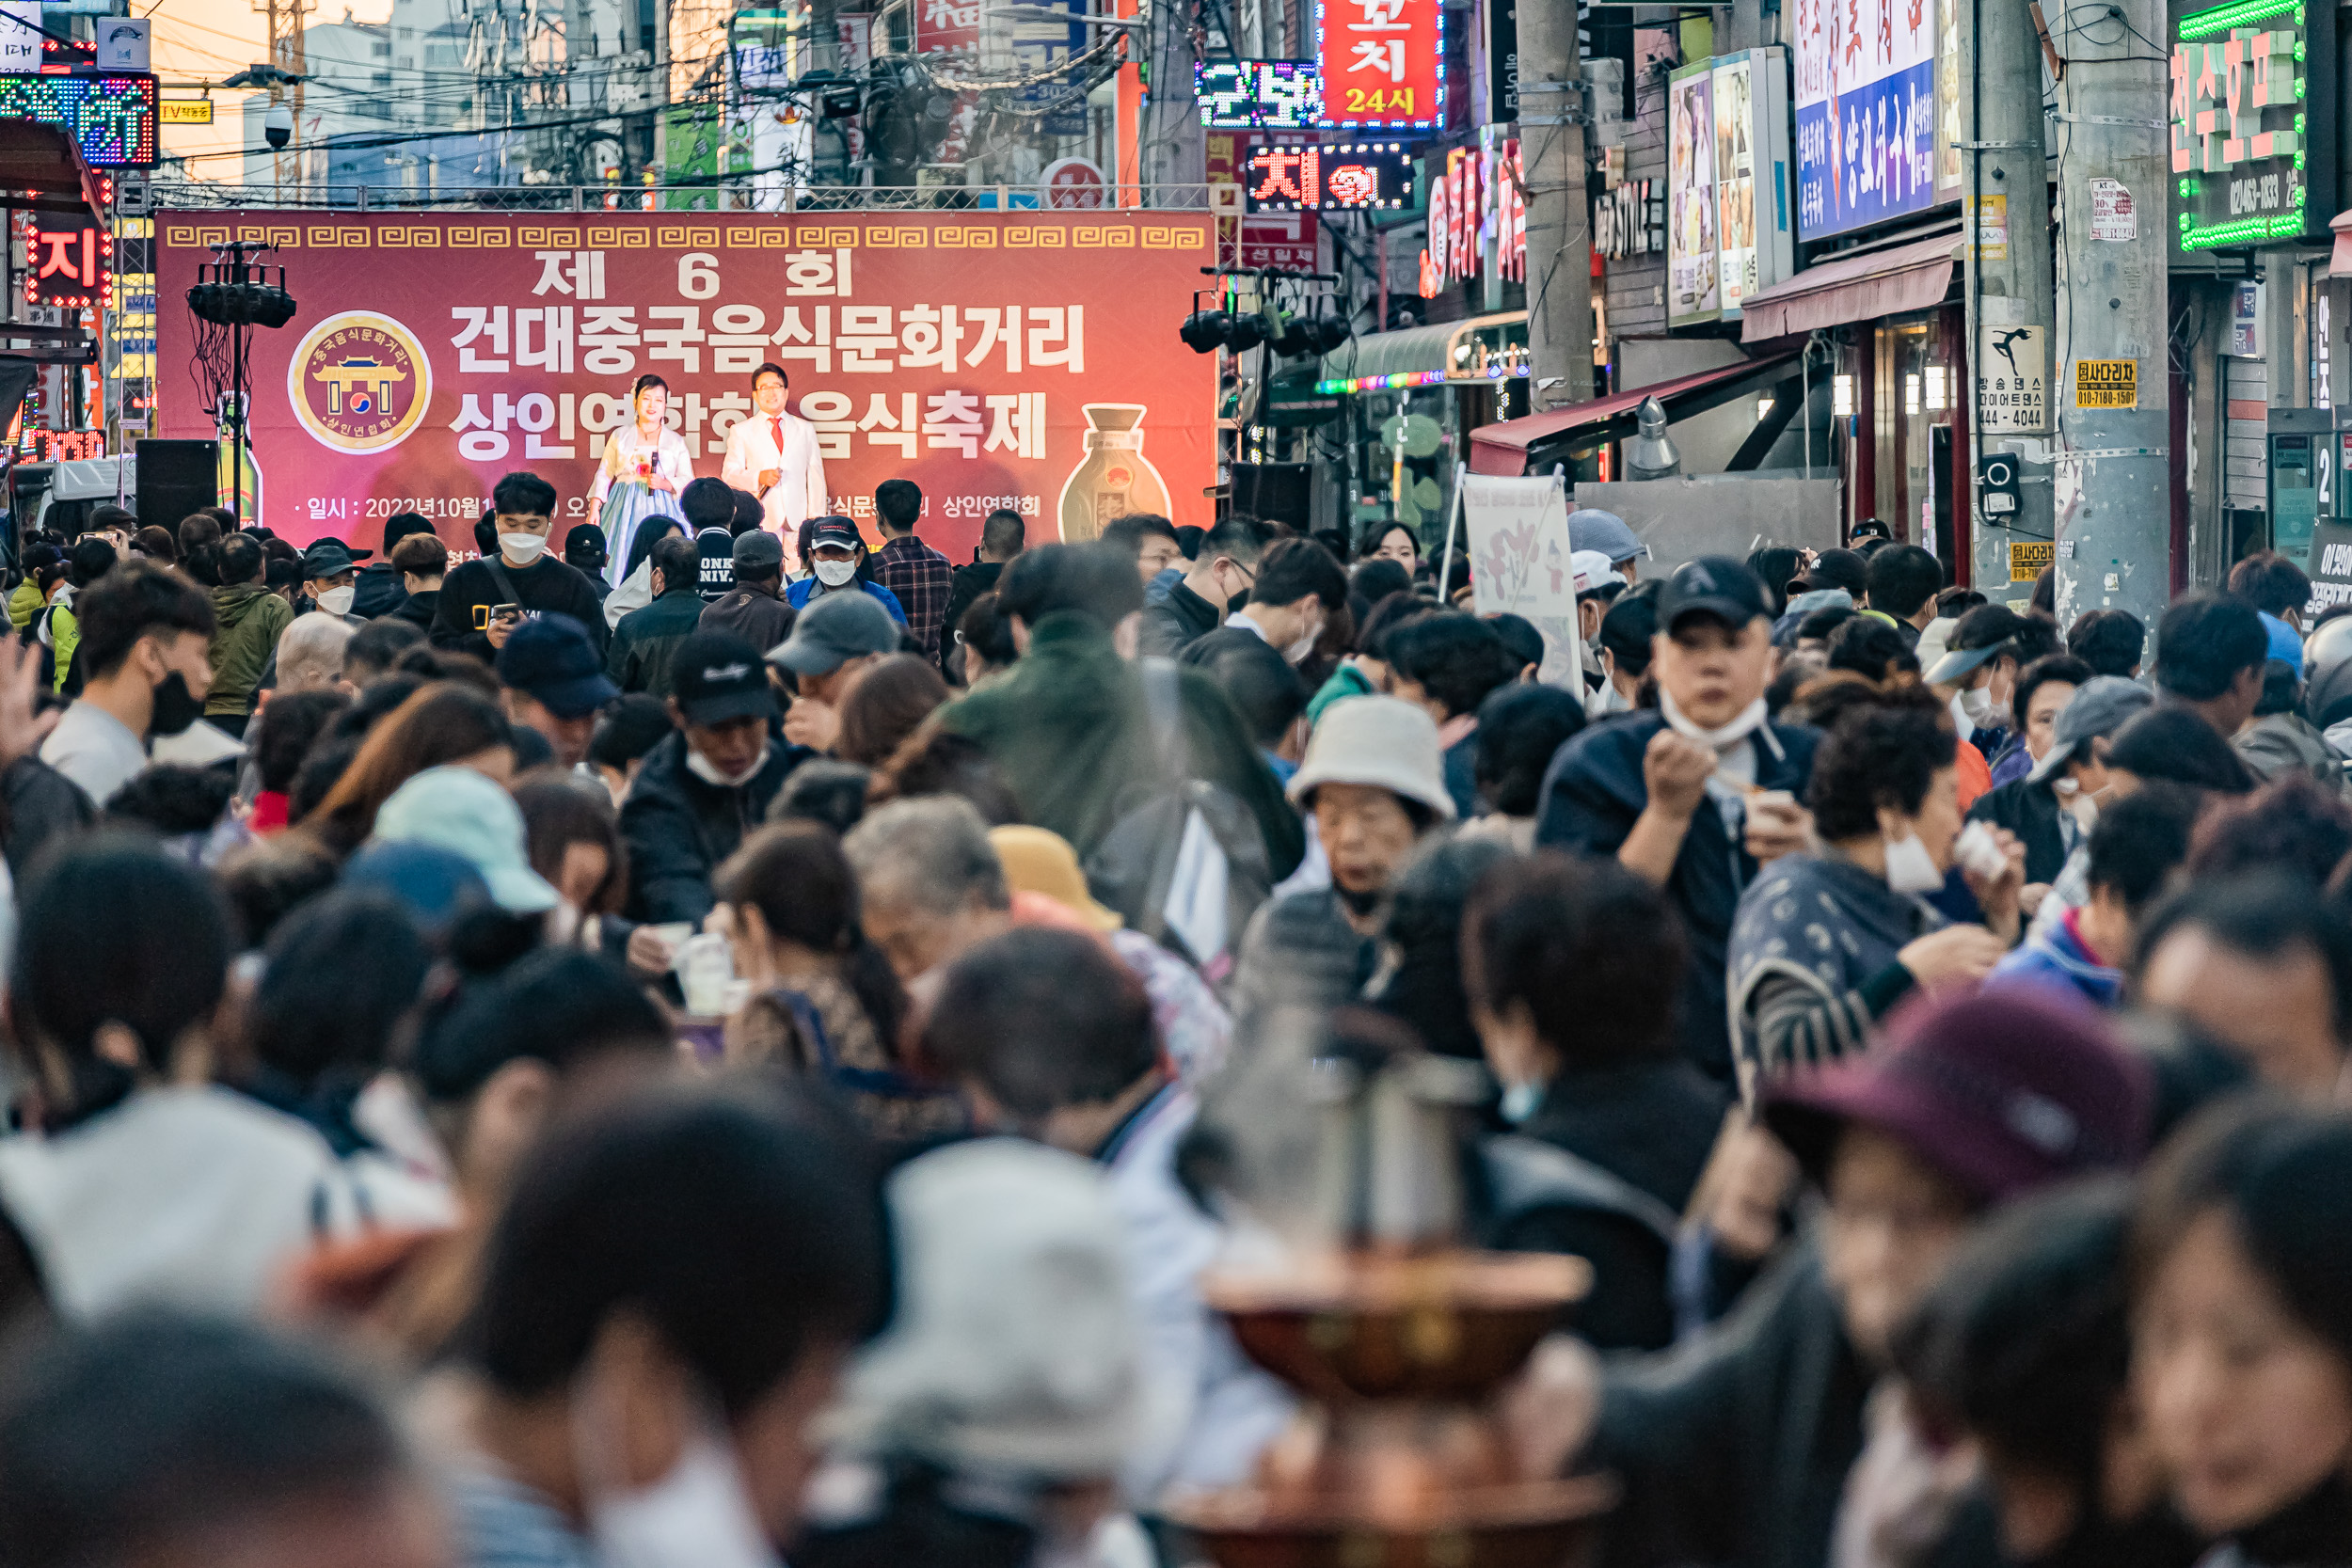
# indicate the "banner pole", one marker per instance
pixel 1452 519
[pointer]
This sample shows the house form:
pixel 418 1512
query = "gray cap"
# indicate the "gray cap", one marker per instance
pixel 1591 529
pixel 834 629
pixel 757 551
pixel 2099 706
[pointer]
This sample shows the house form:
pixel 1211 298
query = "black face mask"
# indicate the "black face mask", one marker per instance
pixel 175 710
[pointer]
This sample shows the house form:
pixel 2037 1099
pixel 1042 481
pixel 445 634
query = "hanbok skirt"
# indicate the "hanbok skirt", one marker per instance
pixel 627 507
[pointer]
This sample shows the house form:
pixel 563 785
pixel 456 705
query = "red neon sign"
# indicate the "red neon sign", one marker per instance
pixel 1383 63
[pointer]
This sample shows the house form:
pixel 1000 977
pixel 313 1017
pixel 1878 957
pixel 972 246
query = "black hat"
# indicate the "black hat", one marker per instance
pixel 401 527
pixel 716 677
pixel 835 530
pixel 584 544
pixel 1711 585
pixel 550 660
pixel 329 558
pixel 1843 569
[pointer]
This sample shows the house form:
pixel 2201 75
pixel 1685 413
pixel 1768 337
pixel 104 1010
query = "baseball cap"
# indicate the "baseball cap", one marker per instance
pixel 436 885
pixel 585 543
pixel 550 660
pixel 716 675
pixel 329 558
pixel 2099 706
pixel 1843 569
pixel 2002 1090
pixel 1591 529
pixel 457 809
pixel 1711 585
pixel 1983 634
pixel 835 530
pixel 834 630
pixel 758 551
pixel 1591 569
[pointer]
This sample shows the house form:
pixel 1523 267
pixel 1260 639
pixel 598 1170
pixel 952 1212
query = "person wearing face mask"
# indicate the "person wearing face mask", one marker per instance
pixel 2242 1331
pixel 701 790
pixel 331 575
pixel 1298 587
pixel 2134 853
pixel 1602 1084
pixel 1977 678
pixel 2053 807
pixel 668 1300
pixel 482 601
pixel 1827 942
pixel 1698 794
pixel 1220 576
pixel 144 634
pixel 837 558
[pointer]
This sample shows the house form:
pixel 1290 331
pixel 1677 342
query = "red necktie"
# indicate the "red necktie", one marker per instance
pixel 777 420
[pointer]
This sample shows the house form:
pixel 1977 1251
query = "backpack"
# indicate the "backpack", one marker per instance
pixel 1185 861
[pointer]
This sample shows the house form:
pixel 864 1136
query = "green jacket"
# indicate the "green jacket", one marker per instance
pixel 248 618
pixel 1067 726
pixel 646 640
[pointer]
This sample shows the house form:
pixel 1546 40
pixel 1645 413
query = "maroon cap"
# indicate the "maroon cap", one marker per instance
pixel 2003 1091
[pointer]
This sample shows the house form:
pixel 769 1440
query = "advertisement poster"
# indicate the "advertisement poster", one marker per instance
pixel 1950 104
pixel 1735 179
pixel 1693 285
pixel 1865 111
pixel 2012 378
pixel 1516 533
pixel 1023 360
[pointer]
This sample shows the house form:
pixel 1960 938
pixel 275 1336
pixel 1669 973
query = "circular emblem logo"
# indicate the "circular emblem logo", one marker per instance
pixel 359 381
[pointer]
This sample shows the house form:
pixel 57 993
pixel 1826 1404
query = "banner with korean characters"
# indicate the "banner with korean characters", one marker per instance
pixel 1025 360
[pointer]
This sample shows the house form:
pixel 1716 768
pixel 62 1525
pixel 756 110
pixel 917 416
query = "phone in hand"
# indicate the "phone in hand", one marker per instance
pixel 506 612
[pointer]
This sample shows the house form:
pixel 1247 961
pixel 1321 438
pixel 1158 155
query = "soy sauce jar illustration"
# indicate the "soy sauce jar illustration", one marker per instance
pixel 1115 478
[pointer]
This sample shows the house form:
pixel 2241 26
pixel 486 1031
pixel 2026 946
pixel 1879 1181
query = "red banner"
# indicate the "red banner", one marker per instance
pixel 1026 360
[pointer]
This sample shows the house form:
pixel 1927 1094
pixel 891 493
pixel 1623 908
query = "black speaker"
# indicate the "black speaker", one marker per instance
pixel 174 478
pixel 1273 492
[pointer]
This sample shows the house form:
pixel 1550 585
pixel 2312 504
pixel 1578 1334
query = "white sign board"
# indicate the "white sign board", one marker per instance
pixel 1516 532
pixel 2012 378
pixel 19 35
pixel 123 44
pixel 2112 216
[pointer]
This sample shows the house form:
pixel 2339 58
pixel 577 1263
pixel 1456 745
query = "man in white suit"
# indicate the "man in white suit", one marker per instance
pixel 773 455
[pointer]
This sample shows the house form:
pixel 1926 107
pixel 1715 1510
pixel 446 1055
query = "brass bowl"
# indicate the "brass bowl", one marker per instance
pixel 1359 1326
pixel 1547 1524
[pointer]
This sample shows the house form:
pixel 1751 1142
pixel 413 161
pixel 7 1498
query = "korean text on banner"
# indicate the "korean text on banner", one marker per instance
pixel 1516 533
pixel 1020 360
pixel 1383 63
pixel 1865 112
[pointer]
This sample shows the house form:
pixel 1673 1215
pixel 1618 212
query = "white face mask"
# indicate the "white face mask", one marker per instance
pixel 1977 703
pixel 696 1516
pixel 833 574
pixel 1298 650
pixel 336 601
pixel 2063 788
pixel 1723 737
pixel 1909 867
pixel 522 548
pixel 703 768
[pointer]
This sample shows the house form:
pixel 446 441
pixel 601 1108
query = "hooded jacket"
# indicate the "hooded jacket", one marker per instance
pixel 2280 745
pixel 248 618
pixel 379 589
pixel 680 827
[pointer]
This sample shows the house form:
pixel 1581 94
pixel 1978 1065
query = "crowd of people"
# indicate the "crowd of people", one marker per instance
pixel 726 1040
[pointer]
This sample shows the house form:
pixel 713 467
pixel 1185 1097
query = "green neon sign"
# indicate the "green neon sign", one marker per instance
pixel 2223 19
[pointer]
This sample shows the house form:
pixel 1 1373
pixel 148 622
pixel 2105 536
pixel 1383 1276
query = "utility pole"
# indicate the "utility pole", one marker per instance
pixel 286 62
pixel 2004 193
pixel 1553 120
pixel 2113 502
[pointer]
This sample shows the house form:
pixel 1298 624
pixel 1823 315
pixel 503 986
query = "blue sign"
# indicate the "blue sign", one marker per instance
pixel 1865 105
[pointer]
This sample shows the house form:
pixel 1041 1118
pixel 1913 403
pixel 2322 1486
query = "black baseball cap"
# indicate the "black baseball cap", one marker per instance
pixel 1843 569
pixel 550 660
pixel 835 530
pixel 716 675
pixel 330 558
pixel 1711 585
pixel 585 543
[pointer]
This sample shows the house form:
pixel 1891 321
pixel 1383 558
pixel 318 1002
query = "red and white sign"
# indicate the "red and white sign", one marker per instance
pixel 1278 240
pixel 1383 63
pixel 942 24
pixel 1073 184
pixel 980 355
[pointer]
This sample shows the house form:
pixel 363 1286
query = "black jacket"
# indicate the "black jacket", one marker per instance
pixel 758 617
pixel 679 828
pixel 2031 812
pixel 646 639
pixel 1592 796
pixel 546 586
pixel 1177 621
pixel 1649 1126
pixel 1735 1446
pixel 418 609
pixel 378 591
pixel 968 584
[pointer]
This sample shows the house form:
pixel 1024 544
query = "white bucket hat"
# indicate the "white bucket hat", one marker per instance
pixel 1014 1348
pixel 1383 741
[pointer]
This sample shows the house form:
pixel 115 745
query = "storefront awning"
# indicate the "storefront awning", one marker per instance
pixel 1412 350
pixel 2340 264
pixel 1860 287
pixel 1532 443
pixel 41 168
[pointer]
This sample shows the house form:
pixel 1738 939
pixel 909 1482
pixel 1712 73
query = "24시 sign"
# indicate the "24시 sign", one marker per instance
pixel 973 352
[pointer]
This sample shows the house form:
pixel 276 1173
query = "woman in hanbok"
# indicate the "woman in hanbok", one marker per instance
pixel 645 467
